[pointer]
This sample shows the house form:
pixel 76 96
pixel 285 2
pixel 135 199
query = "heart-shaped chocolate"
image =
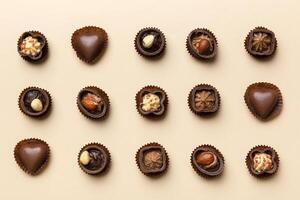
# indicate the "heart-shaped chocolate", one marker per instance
pixel 32 155
pixel 264 100
pixel 89 42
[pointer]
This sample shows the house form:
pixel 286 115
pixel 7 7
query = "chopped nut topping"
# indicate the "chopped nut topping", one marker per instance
pixel 151 102
pixel 31 46
pixel 262 162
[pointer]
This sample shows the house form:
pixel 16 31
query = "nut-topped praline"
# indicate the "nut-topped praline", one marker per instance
pixel 202 44
pixel 150 42
pixel 151 102
pixel 94 158
pixel 207 161
pixel 262 161
pixel 93 102
pixel 261 42
pixel 33 46
pixel 34 101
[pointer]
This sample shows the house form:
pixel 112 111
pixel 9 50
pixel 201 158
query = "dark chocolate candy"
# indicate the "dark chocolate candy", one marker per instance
pixel 32 155
pixel 89 42
pixel 264 100
pixel 152 159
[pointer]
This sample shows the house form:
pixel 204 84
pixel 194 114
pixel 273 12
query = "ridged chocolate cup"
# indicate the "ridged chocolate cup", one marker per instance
pixel 19 161
pixel 163 102
pixel 106 103
pixel 103 150
pixel 277 108
pixel 249 37
pixel 138 43
pixel 139 159
pixel 191 49
pixel 206 173
pixel 192 104
pixel 46 103
pixel 87 29
pixel 262 149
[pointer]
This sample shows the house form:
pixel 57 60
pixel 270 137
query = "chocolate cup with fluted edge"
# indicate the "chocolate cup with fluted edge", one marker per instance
pixel 43 95
pixel 163 102
pixel 44 46
pixel 89 43
pixel 249 46
pixel 139 158
pixel 264 100
pixel 262 149
pixel 32 155
pixel 157 48
pixel 192 103
pixel 193 52
pixel 105 159
pixel 98 114
pixel 210 172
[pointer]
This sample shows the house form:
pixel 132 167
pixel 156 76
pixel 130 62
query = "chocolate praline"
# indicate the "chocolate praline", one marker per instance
pixel 207 161
pixel 152 159
pixel 150 42
pixel 33 46
pixel 151 102
pixel 202 44
pixel 261 42
pixel 93 103
pixel 34 101
pixel 262 161
pixel 89 43
pixel 264 100
pixel 204 99
pixel 32 155
pixel 94 158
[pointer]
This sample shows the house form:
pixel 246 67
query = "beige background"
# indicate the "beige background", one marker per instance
pixel 122 72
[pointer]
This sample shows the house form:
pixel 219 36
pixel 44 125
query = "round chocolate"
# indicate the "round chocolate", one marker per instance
pixel 151 102
pixel 34 101
pixel 202 44
pixel 150 42
pixel 262 161
pixel 93 103
pixel 264 100
pixel 207 161
pixel 260 42
pixel 152 159
pixel 96 159
pixel 89 42
pixel 33 46
pixel 204 99
pixel 32 155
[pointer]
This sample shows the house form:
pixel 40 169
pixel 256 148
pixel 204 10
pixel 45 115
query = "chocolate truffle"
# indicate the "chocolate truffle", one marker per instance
pixel 152 159
pixel 262 161
pixel 94 158
pixel 34 101
pixel 150 42
pixel 207 161
pixel 202 44
pixel 33 46
pixel 89 42
pixel 264 100
pixel 261 42
pixel 151 102
pixel 204 99
pixel 93 102
pixel 32 155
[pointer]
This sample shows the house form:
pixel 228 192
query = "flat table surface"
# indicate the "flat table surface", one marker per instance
pixel 121 72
